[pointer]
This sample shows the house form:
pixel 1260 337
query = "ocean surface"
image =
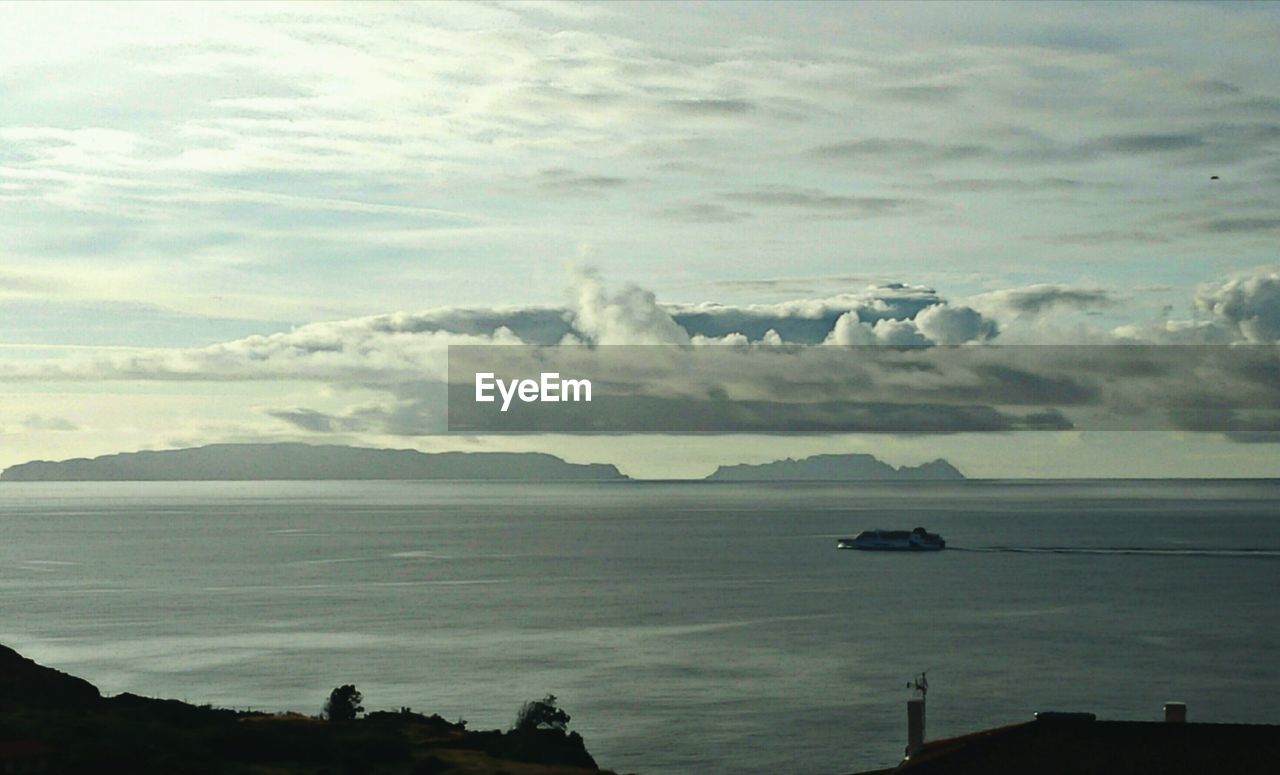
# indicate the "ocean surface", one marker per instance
pixel 686 627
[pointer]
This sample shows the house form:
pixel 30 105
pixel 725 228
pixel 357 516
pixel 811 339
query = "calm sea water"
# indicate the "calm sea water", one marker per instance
pixel 688 628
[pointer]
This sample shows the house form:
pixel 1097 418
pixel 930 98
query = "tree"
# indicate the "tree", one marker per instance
pixel 343 703
pixel 542 714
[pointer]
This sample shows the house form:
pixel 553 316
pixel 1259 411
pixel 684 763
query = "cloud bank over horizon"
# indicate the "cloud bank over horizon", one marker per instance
pixel 397 361
pixel 1241 309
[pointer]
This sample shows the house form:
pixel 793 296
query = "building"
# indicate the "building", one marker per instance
pixel 1076 743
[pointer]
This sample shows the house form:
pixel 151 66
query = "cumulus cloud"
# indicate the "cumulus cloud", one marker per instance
pixel 1249 305
pixel 1243 309
pixel 902 333
pixel 937 323
pixel 806 321
pixel 631 316
pixel 849 331
pixel 944 324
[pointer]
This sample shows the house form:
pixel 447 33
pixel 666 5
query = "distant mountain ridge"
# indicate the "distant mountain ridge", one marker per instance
pixel 255 462
pixel 840 468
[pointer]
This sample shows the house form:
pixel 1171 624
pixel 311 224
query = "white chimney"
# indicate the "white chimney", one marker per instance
pixel 915 725
pixel 1175 712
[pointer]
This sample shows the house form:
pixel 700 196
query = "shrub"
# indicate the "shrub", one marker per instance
pixel 343 703
pixel 542 714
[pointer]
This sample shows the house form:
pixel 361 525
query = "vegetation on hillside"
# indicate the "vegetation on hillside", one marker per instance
pixel 73 729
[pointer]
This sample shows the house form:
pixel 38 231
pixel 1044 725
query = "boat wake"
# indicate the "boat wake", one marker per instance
pixel 1141 551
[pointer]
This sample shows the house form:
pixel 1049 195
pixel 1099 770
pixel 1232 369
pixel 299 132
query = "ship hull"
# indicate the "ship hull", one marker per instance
pixel 918 540
pixel 867 548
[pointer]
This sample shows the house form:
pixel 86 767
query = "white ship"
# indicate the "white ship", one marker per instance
pixel 918 540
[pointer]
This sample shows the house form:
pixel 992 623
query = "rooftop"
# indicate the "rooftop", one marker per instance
pixel 1062 747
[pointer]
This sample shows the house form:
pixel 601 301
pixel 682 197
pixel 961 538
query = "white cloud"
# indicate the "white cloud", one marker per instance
pixel 1242 309
pixel 945 324
pixel 631 316
pixel 1249 304
pixel 411 346
pixel 849 331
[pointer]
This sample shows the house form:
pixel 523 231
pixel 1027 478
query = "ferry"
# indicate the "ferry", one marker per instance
pixel 918 540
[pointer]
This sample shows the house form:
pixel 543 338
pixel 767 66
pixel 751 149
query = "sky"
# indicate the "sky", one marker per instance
pixel 261 222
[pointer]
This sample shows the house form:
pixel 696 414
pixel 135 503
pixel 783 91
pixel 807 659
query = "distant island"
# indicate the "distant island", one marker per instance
pixel 239 462
pixel 308 462
pixel 838 468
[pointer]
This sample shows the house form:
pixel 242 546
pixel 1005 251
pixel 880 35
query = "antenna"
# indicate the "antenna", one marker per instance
pixel 915 714
pixel 920 684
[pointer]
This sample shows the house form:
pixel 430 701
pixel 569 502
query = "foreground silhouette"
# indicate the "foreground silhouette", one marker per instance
pixel 54 722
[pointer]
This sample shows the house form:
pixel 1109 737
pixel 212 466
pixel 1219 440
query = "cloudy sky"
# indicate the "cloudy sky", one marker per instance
pixel 265 222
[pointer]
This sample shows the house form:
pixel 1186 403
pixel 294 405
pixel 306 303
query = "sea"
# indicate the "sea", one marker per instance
pixel 686 627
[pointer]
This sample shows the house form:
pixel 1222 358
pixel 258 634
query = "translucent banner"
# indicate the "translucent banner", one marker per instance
pixel 834 389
